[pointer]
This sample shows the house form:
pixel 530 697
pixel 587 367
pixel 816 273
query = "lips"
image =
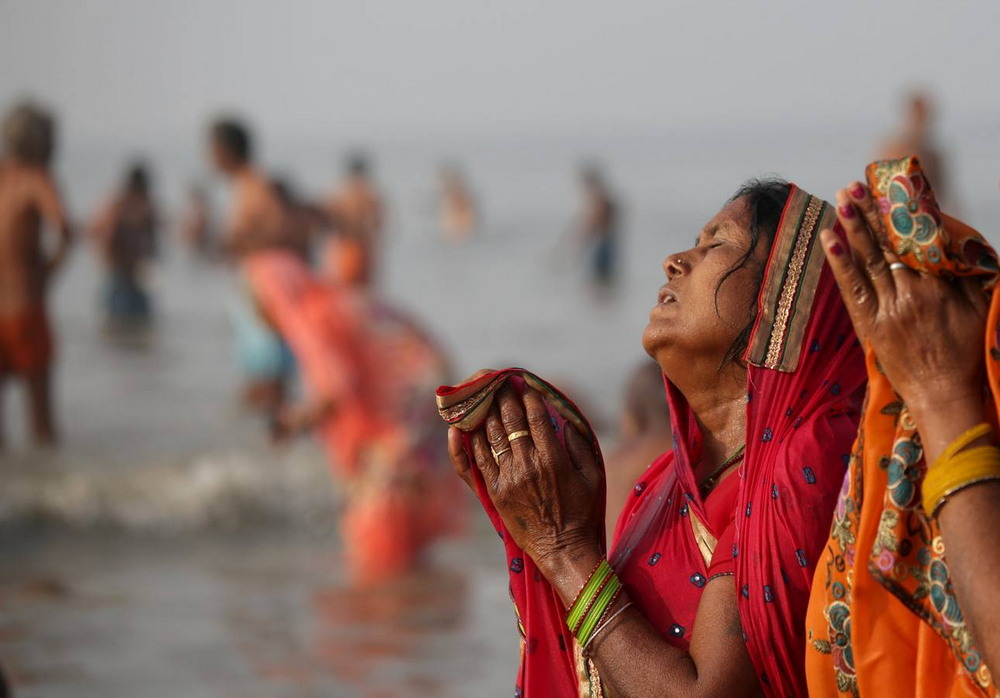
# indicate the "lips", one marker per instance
pixel 667 295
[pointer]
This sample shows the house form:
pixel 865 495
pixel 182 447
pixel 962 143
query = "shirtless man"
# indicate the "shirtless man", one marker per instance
pixel 257 217
pixel 29 203
pixel 357 216
pixel 916 137
pixel 258 220
pixel 643 436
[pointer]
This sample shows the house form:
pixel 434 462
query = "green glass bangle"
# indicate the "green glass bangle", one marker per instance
pixel 604 601
pixel 585 599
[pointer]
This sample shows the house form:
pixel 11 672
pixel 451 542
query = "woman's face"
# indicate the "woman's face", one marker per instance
pixel 696 319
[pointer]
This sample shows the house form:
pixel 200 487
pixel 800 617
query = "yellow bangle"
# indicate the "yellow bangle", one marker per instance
pixel 962 442
pixel 960 470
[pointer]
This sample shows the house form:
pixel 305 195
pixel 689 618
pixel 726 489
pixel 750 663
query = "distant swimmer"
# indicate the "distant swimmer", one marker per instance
pixel 258 221
pixel 458 207
pixel 598 226
pixel 196 226
pixel 29 204
pixel 357 215
pixel 916 136
pixel 125 233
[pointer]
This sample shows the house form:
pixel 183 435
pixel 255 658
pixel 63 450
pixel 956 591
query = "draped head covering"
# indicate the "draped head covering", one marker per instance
pixel 805 378
pixel 883 618
pixel 806 374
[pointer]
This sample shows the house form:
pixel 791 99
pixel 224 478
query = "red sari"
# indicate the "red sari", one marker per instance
pixel 375 367
pixel 766 525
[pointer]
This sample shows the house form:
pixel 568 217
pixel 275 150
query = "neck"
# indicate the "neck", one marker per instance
pixel 719 403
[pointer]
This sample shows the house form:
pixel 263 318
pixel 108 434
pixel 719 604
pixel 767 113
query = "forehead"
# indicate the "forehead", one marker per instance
pixel 733 217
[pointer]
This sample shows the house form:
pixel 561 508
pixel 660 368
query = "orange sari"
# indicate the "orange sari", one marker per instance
pixel 375 367
pixel 883 619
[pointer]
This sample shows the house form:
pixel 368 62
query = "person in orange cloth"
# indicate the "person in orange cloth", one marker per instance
pixel 356 214
pixel 29 203
pixel 368 370
pixel 904 596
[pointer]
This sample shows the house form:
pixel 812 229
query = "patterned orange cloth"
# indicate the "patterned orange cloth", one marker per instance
pixel 883 619
pixel 25 342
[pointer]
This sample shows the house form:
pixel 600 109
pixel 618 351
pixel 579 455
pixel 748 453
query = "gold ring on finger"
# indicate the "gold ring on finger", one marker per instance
pixel 497 454
pixel 518 435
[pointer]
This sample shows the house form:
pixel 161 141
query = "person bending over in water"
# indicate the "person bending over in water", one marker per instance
pixel 29 200
pixel 125 233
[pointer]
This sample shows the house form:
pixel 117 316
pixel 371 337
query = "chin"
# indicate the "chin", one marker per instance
pixel 656 341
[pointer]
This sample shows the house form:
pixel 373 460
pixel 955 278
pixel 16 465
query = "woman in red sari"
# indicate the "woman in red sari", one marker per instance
pixel 367 370
pixel 716 548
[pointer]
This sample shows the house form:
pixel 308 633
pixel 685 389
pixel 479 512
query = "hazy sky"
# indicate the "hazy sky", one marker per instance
pixel 136 69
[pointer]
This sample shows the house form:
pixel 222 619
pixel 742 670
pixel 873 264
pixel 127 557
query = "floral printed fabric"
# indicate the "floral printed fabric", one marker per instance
pixel 883 617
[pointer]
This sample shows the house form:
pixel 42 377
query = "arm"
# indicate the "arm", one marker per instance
pixel 939 376
pixel 548 501
pixel 51 207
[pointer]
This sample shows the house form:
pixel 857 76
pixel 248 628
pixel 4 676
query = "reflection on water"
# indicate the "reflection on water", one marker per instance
pixel 262 614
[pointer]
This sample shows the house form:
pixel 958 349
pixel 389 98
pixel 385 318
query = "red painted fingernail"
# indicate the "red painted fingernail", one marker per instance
pixel 858 192
pixel 836 249
pixel 846 210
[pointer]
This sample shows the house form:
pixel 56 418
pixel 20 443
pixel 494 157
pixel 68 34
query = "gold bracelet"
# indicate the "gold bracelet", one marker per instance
pixel 947 495
pixel 963 440
pixel 957 472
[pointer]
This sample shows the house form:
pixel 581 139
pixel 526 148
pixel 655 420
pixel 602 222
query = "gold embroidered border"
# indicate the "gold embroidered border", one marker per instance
pixel 790 288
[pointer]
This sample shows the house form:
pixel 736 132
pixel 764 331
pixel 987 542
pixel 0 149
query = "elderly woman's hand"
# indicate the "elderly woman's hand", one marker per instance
pixel 926 331
pixel 546 495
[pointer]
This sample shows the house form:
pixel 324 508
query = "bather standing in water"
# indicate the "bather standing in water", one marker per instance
pixel 30 204
pixel 125 233
pixel 598 226
pixel 916 136
pixel 356 213
pixel 258 220
pixel 458 206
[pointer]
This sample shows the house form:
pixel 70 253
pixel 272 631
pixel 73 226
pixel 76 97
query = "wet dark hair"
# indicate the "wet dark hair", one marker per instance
pixel 233 136
pixel 765 201
pixel 137 177
pixel 357 165
pixel 28 133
